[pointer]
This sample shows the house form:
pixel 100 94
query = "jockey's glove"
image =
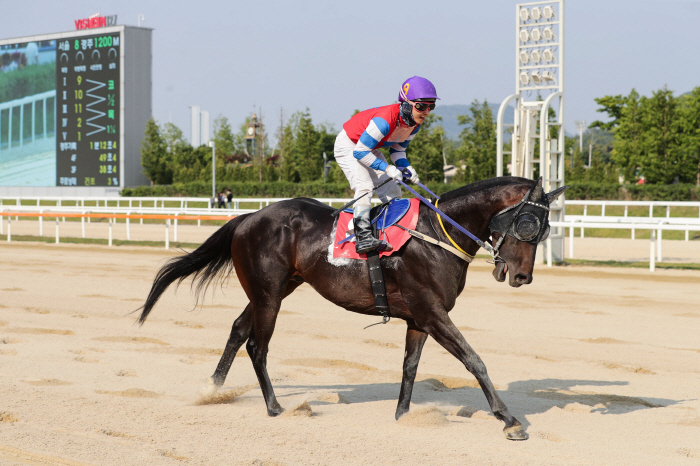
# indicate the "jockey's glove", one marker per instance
pixel 394 173
pixel 411 174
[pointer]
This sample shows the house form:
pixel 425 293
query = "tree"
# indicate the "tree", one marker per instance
pixel 660 155
pixel 155 159
pixel 425 150
pixel 173 137
pixel 689 127
pixel 306 155
pixel 478 149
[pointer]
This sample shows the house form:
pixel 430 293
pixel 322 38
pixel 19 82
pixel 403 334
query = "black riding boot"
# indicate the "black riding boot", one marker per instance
pixel 365 241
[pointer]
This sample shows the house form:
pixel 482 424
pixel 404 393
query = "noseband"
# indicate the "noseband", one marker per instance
pixel 525 221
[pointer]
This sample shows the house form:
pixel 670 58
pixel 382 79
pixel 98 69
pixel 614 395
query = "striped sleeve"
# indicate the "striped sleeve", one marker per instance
pixel 377 130
pixel 397 152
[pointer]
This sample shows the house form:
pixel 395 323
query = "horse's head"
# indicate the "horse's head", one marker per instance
pixel 517 229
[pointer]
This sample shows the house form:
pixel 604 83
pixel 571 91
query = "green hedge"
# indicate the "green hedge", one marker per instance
pixel 644 192
pixel 647 192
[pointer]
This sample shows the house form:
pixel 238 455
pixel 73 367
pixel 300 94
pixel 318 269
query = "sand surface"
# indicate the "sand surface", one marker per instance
pixel 602 366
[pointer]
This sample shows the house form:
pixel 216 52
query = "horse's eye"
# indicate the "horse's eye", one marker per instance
pixel 527 226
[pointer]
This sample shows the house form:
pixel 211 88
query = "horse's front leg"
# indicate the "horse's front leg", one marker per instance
pixel 415 339
pixel 439 326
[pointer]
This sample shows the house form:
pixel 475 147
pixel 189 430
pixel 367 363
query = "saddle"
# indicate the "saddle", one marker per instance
pixel 403 212
pixel 384 219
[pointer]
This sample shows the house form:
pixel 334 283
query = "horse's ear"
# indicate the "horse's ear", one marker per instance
pixel 551 197
pixel 537 191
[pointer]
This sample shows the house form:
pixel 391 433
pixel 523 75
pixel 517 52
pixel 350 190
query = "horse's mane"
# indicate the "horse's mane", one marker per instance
pixel 485 184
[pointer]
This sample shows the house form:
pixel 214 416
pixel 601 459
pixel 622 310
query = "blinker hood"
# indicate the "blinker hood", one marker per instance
pixel 526 220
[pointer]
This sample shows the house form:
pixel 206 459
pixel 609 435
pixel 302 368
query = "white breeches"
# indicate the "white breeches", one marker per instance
pixel 362 179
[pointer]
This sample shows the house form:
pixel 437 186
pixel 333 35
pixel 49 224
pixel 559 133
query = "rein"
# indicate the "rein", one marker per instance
pixel 488 247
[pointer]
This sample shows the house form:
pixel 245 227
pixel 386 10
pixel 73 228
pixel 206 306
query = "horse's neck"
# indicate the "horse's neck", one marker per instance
pixel 473 211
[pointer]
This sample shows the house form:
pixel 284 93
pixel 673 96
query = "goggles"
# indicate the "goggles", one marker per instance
pixel 423 106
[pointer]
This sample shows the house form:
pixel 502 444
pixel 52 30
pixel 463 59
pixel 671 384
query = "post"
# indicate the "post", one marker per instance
pixel 549 252
pixel 658 245
pixel 571 242
pixel 41 223
pixel 213 168
pixel 652 266
pixel 9 228
pixel 57 219
pixel 82 224
pixel 110 231
pixel 128 225
pixel 175 227
pixel 167 234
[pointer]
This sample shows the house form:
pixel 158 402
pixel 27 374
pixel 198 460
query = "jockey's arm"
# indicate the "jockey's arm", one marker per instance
pixel 377 130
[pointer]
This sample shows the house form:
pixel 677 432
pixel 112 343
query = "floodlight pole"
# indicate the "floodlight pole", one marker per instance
pixel 539 87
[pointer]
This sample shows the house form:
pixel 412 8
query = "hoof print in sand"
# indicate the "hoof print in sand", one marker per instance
pixel 426 416
pixel 298 409
pixel 8 417
pixel 131 393
pixel 336 398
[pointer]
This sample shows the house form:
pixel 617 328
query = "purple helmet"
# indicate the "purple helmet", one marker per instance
pixel 417 88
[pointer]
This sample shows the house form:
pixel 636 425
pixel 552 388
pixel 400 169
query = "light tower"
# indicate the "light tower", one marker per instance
pixel 538 105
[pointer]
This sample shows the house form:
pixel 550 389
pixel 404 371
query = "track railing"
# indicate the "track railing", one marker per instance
pixel 111 216
pixel 657 228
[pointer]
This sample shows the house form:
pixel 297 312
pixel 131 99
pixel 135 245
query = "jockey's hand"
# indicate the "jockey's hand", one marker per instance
pixel 411 174
pixel 394 173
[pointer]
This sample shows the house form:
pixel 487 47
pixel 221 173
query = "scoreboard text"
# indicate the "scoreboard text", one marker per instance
pixel 87 116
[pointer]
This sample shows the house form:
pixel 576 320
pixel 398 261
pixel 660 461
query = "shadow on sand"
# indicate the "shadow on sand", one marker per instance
pixel 523 398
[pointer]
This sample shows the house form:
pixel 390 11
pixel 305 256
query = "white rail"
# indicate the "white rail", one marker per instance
pixel 657 228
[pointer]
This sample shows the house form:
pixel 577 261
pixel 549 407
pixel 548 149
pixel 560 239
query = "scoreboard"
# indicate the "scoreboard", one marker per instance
pixel 87 146
pixel 73 110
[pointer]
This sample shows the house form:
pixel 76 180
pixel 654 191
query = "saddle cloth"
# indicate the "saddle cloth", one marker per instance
pixel 393 234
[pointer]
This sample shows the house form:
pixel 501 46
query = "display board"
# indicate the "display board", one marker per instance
pixel 87 85
pixel 62 108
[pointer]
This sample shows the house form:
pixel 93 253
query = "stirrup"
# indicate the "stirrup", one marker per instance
pixel 365 248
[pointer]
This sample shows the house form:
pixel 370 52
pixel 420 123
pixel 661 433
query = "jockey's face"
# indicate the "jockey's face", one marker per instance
pixel 420 115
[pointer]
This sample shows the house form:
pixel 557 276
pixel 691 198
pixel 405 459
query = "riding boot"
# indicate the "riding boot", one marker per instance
pixel 365 241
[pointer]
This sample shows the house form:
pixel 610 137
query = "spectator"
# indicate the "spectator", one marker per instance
pixel 229 198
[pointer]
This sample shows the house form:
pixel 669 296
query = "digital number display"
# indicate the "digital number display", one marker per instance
pixel 87 111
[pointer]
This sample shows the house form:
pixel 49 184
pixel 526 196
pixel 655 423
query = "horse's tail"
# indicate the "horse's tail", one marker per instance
pixel 211 259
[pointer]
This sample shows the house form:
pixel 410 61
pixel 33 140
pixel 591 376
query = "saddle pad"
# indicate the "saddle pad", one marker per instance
pixel 394 235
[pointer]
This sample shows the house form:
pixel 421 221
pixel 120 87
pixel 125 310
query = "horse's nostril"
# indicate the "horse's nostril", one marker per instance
pixel 521 278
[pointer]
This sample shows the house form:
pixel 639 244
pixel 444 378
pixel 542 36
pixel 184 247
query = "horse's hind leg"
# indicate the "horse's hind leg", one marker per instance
pixel 415 339
pixel 239 334
pixel 265 315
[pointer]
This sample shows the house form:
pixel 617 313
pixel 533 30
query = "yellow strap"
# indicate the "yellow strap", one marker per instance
pixel 448 236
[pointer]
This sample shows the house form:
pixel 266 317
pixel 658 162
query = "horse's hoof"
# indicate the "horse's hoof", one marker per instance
pixel 275 410
pixel 515 432
pixel 209 389
pixel 400 412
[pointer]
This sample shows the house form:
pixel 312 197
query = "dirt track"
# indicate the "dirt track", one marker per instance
pixel 602 366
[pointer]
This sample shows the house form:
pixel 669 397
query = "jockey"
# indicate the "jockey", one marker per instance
pixel 356 151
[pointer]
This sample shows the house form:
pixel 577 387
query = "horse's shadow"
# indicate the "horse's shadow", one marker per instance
pixel 523 398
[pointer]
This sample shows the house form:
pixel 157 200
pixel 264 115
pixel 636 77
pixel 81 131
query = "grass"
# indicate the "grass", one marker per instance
pixel 639 265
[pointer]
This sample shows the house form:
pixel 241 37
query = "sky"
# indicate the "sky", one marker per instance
pixel 233 58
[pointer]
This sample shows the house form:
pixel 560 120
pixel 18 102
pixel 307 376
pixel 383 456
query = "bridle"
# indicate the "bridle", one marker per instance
pixel 526 221
pixel 531 226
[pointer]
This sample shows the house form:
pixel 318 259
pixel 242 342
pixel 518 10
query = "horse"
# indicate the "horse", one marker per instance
pixel 276 249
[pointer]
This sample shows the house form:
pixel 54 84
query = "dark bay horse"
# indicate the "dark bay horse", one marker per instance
pixel 278 248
